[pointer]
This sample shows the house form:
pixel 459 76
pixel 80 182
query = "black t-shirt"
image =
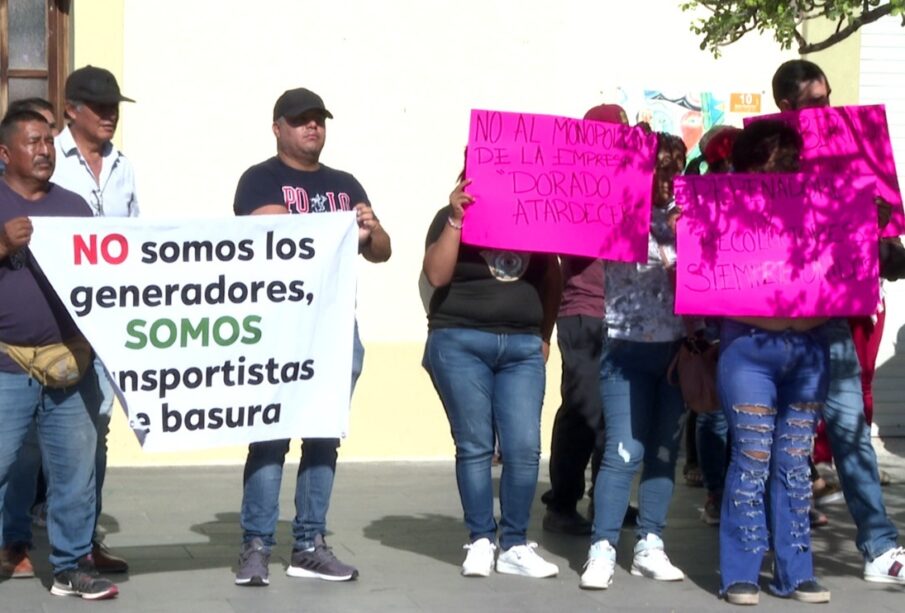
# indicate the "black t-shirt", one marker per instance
pixel 491 290
pixel 319 191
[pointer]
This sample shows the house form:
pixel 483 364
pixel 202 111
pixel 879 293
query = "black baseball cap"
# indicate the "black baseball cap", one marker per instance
pixel 92 84
pixel 294 102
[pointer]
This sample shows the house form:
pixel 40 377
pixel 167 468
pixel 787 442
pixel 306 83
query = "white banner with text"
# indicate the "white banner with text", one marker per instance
pixel 215 332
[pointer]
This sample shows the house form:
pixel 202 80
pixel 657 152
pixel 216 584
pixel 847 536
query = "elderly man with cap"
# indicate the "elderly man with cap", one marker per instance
pixel 87 161
pixel 294 181
pixel 578 425
pixel 90 165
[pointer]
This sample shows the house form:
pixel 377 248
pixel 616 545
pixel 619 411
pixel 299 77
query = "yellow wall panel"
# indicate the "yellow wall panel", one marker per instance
pixel 395 415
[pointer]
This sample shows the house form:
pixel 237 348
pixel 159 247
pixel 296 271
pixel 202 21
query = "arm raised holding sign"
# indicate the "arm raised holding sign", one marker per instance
pixel 440 257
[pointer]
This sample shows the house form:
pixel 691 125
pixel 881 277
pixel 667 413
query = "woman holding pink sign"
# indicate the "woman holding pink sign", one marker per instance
pixel 490 321
pixel 772 379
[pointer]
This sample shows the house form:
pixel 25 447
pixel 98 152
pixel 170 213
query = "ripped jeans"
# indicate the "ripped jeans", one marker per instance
pixel 772 386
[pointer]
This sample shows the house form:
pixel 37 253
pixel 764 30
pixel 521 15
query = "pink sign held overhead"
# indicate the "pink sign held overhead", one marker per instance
pixel 776 245
pixel 849 141
pixel 551 184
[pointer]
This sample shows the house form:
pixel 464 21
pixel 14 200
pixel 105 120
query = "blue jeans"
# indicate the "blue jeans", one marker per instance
pixel 21 488
pixel 772 386
pixel 18 494
pixel 313 485
pixel 491 382
pixel 711 441
pixel 64 421
pixel 849 436
pixel 642 412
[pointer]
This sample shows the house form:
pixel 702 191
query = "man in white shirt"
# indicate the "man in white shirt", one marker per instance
pixel 90 165
pixel 88 162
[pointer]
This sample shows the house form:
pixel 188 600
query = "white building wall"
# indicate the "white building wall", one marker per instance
pixel 883 82
pixel 400 76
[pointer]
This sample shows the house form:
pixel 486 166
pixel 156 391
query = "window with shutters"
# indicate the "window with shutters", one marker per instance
pixel 34 50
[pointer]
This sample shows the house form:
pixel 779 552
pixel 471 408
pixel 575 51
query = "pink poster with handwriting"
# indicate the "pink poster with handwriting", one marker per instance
pixel 776 245
pixel 849 141
pixel 558 185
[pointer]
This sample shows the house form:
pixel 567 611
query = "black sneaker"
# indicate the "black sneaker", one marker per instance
pixel 83 582
pixel 630 520
pixel 631 517
pixel 742 593
pixel 566 522
pixel 253 561
pixel 811 591
pixel 320 563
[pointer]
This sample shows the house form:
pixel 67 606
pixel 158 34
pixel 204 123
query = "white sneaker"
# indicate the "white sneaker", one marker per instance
pixel 887 568
pixel 479 561
pixel 599 569
pixel 651 561
pixel 523 560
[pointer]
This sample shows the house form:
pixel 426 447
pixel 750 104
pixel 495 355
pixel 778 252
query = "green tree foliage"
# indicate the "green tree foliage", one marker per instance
pixel 729 20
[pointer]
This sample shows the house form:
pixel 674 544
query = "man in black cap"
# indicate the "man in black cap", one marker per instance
pixel 294 181
pixel 90 165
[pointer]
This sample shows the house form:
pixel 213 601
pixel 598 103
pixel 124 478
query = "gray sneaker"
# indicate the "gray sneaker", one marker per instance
pixel 83 582
pixel 253 560
pixel 320 563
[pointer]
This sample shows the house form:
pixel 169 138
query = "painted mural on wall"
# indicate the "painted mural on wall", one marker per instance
pixel 689 114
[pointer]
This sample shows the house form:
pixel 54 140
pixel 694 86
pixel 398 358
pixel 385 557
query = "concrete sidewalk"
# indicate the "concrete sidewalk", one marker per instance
pixel 400 524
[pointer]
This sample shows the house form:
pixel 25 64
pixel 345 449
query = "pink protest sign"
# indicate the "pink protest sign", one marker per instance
pixel 849 141
pixel 776 245
pixel 558 185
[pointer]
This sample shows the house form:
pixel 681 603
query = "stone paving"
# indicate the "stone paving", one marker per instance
pixel 400 524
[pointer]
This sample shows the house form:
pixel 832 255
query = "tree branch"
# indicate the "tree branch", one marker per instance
pixel 841 34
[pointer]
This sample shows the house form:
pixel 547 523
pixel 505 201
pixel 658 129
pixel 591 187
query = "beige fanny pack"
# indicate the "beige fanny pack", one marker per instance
pixel 56 366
